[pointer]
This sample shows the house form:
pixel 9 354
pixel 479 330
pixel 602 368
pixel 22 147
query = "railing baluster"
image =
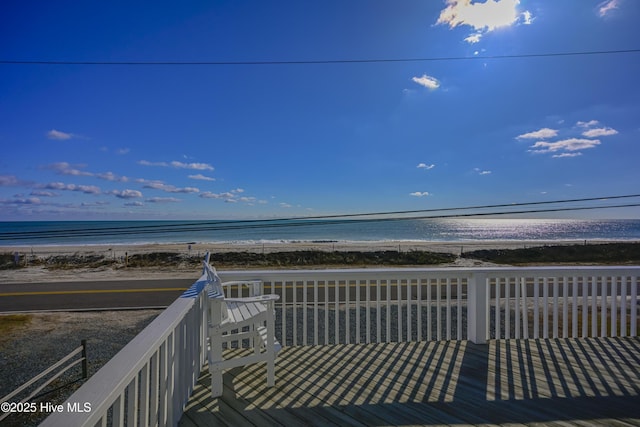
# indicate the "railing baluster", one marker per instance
pixel 399 298
pixel 419 309
pixel 574 306
pixel 429 323
pixel 438 309
pixel 368 283
pixel 294 301
pixel 623 306
pixel 304 313
pixel 378 321
pixel 358 283
pixel 507 308
pixel 545 308
pixel 448 309
pixel 565 307
pixel 517 306
pixel 614 306
pixel 585 306
pixel 336 322
pixel 525 308
pixel 388 282
pixel 409 304
pixel 536 308
pixel 498 320
pixel 315 312
pixel 283 320
pixel 347 317
pixel 634 306
pixel 326 312
pixel 603 307
pixel 556 303
pixel 459 309
pixel 594 306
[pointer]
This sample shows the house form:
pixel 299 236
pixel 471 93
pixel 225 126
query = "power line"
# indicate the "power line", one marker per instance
pixel 321 61
pixel 313 221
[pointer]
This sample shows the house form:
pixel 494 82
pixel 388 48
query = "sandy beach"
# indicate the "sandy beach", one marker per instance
pixel 43 274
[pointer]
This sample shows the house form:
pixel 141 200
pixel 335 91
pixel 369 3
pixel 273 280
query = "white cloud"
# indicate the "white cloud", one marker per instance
pixel 8 180
pixel 576 154
pixel 539 134
pixel 196 166
pixel 201 177
pixel 285 205
pixel 483 17
pixel 607 6
pixel 123 151
pixel 178 165
pixel 427 81
pixel 425 166
pixel 65 168
pixel 473 38
pixel 44 194
pixel 134 204
pixel 592 133
pixel 127 194
pixel 110 176
pixel 163 200
pixel 159 185
pixel 87 189
pixel 58 135
pixel 570 144
pixel 588 124
pixel 482 172
pixel 420 194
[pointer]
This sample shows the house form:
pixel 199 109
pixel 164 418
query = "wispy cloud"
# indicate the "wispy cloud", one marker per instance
pixel 579 138
pixel 232 196
pixel 483 17
pixel 44 193
pixel 429 82
pixel 606 7
pixel 565 145
pixel 163 200
pixel 8 181
pixel 110 176
pixel 126 194
pixel 64 168
pixel 202 177
pixel 539 134
pixel 59 135
pixel 420 194
pixel 159 185
pixel 178 165
pixel 482 172
pixel 425 166
pixel 594 133
pixel 60 186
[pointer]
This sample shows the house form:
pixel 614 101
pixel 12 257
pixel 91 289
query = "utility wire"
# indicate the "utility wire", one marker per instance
pixel 309 221
pixel 322 61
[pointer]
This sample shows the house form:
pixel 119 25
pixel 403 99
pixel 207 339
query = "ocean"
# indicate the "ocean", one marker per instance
pixel 36 233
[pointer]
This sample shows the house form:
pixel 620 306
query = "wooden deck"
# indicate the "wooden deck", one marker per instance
pixel 585 381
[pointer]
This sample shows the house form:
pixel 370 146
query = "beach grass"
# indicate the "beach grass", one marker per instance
pixel 607 254
pixel 9 322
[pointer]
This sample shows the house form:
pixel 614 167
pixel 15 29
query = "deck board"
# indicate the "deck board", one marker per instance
pixel 559 382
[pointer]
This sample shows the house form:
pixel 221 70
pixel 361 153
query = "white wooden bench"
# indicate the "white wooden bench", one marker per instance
pixel 246 321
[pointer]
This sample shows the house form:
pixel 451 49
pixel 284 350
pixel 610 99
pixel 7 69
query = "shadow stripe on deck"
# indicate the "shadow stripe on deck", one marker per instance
pixel 585 381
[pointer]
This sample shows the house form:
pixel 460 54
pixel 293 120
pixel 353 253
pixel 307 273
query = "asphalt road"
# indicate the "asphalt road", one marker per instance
pixel 113 294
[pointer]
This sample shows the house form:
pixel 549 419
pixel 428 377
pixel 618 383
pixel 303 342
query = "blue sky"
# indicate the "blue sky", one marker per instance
pixel 265 140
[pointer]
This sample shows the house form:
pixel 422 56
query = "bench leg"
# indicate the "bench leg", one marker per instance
pixel 215 358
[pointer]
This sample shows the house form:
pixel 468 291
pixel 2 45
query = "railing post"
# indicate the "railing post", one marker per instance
pixel 476 308
pixel 85 371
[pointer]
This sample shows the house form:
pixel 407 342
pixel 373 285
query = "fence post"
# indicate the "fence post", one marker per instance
pixel 85 371
pixel 476 308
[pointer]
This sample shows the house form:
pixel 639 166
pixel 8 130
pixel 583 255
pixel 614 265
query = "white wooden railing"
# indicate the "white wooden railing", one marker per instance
pixel 320 307
pixel 150 380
